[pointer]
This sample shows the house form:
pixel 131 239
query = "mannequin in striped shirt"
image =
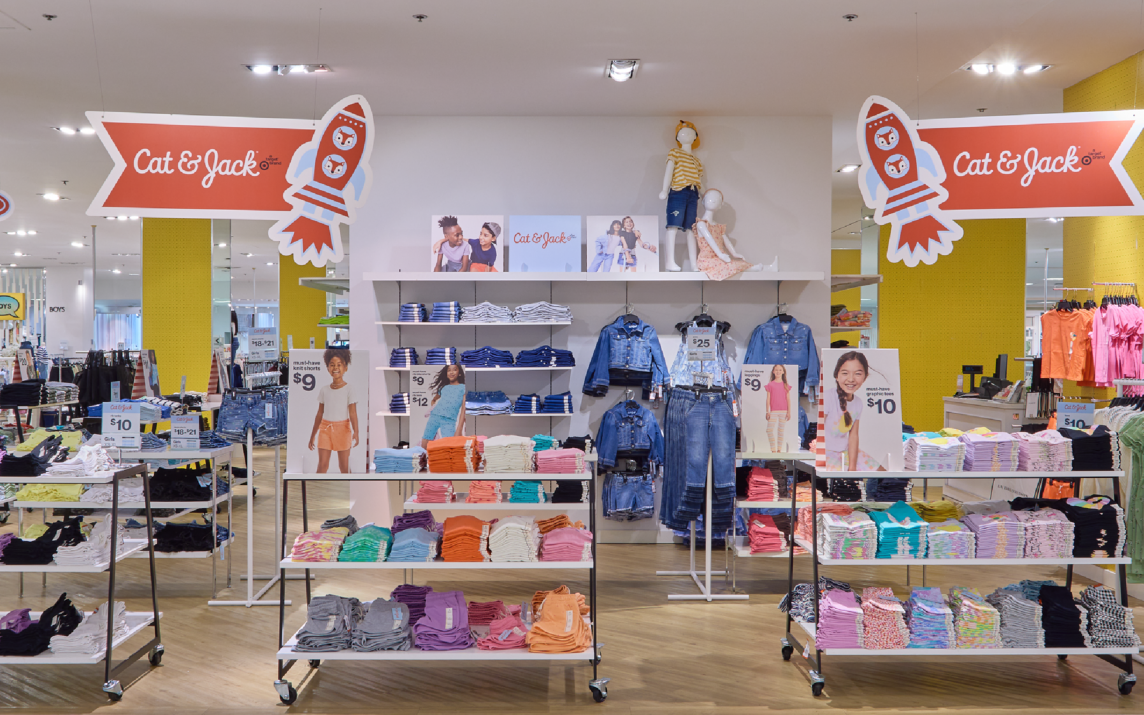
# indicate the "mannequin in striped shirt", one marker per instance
pixel 682 182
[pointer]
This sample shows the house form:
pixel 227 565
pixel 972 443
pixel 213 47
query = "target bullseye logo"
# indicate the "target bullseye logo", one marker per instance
pixel 5 206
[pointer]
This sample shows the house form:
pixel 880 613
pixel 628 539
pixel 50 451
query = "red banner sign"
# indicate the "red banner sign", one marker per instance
pixel 921 176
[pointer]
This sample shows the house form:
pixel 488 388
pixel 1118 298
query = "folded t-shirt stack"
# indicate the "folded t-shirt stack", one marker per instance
pixel 508 453
pixel 486 357
pixel 408 460
pixel 542 442
pixel 528 405
pixel 999 536
pixel 28 392
pixel 804 529
pixel 936 512
pixel 414 544
pixel 33 492
pixel 399 403
pixel 369 543
pixel 990 452
pixel 445 625
pixel 514 538
pixel 976 623
pixel 950 539
pixel 545 356
pixel 40 549
pixel 1110 625
pixel 484 613
pixel 764 535
pixel 483 492
pixel 560 404
pixel 845 490
pixel 933 454
pixel 56 392
pixel 901 532
pixel 1020 618
pixel 569 491
pixel 320 545
pixel 847 536
pixel 1065 621
pixel 568 460
pixel 413 597
pixel 505 633
pixel 403 357
pixel 1046 451
pixel 883 619
pixel 527 491
pixel 329 624
pixel 1091 449
pixel 841 623
pixel 415 520
pixel 434 492
pixel 566 544
pixel 441 356
pixel 413 313
pixel 1048 534
pixel 448 311
pixel 560 628
pixel 760 485
pixel 1098 527
pixel 95 549
pixel 384 626
pixel 90 637
pixel 32 464
pixel 454 455
pixel 886 489
pixel 556 522
pixel 172 537
pixel 486 312
pixel 465 539
pixel 542 312
pixel 930 619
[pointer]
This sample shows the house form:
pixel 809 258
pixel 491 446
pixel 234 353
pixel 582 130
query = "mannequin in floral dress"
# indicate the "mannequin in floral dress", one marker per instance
pixel 717 255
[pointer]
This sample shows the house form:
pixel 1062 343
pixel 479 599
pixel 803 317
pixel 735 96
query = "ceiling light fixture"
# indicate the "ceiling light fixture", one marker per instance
pixel 133 218
pixel 248 255
pixel 848 168
pixel 981 68
pixel 269 263
pixel 11 265
pixel 65 130
pixel 284 69
pixel 77 244
pixel 21 233
pixel 115 270
pixel 31 233
pixel 18 253
pixel 52 197
pixel 86 131
pixel 260 69
pixel 1034 69
pixel 121 218
pixel 621 70
pixel 222 245
pixel 109 218
pixel 1006 68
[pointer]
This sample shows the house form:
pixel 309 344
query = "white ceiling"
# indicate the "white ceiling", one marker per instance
pixel 504 57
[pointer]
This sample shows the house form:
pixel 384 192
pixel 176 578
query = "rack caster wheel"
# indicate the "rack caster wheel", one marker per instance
pixel 156 656
pixel 599 689
pixel 1062 656
pixel 787 652
pixel 816 688
pixel 1125 682
pixel 286 692
pixel 315 663
pixel 114 690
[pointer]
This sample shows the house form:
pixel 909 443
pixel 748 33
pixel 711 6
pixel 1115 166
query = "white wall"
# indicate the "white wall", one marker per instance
pixel 74 323
pixel 774 172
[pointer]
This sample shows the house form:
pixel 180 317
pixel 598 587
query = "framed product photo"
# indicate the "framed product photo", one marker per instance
pixel 466 244
pixel 329 408
pixel 770 408
pixel 623 244
pixel 860 423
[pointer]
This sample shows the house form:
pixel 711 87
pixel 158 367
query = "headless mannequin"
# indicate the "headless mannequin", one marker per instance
pixel 712 201
pixel 686 137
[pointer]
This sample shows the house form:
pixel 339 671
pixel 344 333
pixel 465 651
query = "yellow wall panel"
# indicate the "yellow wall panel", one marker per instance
pixel 965 309
pixel 846 262
pixel 299 308
pixel 177 299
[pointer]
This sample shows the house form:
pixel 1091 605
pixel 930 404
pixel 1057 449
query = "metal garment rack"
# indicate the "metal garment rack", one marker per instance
pixel 1120 657
pixel 287 657
pixel 702 579
pixel 137 621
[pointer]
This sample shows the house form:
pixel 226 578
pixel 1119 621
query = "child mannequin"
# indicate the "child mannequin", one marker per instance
pixel 717 255
pixel 682 183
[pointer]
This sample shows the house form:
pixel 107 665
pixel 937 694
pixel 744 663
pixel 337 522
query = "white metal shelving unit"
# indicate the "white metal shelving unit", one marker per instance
pixel 137 620
pixel 287 657
pixel 1126 679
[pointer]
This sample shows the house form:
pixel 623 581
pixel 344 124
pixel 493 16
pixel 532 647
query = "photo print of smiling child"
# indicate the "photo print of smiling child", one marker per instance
pixel 861 427
pixel 466 244
pixel 329 411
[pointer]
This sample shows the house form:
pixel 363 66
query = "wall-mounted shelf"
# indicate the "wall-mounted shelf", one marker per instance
pixel 680 277
pixel 854 280
pixel 337 286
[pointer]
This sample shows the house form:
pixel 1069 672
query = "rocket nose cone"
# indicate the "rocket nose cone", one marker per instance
pixel 355 108
pixel 875 110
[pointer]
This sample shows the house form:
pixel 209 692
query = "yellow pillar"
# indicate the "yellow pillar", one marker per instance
pixel 299 308
pixel 177 299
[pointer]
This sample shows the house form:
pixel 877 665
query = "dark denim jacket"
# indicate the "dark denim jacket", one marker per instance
pixel 625 428
pixel 625 347
pixel 770 344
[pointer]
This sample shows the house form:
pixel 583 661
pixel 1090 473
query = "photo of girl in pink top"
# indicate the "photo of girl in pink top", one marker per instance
pixel 778 408
pixel 843 414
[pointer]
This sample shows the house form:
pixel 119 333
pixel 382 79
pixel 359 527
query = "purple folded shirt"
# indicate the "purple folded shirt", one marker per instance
pixel 414 597
pixel 445 625
pixel 5 539
pixel 17 620
pixel 416 520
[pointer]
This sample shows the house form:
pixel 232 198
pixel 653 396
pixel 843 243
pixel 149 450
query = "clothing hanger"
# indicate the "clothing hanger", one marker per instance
pixel 630 402
pixel 629 316
pixel 781 313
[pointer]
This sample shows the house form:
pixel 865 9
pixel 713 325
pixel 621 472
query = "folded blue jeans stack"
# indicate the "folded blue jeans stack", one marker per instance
pixel 527 405
pixel 403 357
pixel 558 404
pixel 486 357
pixel 545 356
pixel 493 402
pixel 441 356
pixel 399 403
pixel 446 312
pixel 412 313
pixel 629 497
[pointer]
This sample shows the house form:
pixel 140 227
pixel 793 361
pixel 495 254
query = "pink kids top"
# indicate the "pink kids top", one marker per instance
pixel 778 392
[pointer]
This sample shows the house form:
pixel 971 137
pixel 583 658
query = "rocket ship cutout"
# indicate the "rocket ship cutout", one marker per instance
pixel 331 177
pixel 901 178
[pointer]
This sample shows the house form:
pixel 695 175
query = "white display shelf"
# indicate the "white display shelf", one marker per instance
pixel 839 282
pixel 810 630
pixel 513 414
pixel 184 554
pixel 220 499
pixel 742 549
pixel 339 326
pixel 532 323
pixel 136 622
pixel 40 407
pixel 432 565
pixel 822 474
pixel 782 456
pixel 132 546
pixel 474 653
pixel 337 286
pixel 506 505
pixel 179 455
pixel 662 277
pixel 511 368
pixel 97 478
pixel 847 329
pixel 747 504
pixel 416 476
pixel 1070 561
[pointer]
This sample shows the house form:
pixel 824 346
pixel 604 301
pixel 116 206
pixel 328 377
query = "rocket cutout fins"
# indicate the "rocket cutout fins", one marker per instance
pixel 331 177
pixel 901 178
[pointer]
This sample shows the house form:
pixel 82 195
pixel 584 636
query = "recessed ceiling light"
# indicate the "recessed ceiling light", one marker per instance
pixel 21 233
pixel 248 255
pixel 1006 68
pixel 18 253
pixel 77 244
pixel 110 218
pixel 260 69
pixel 298 68
pixel 133 218
pixel 285 68
pixel 31 233
pixel 132 274
pixel 65 130
pixel 269 263
pixel 11 265
pixel 86 131
pixel 52 197
pixel 1034 69
pixel 848 168
pixel 121 218
pixel 1028 284
pixel 621 70
pixel 115 270
pixel 222 245
pixel 981 68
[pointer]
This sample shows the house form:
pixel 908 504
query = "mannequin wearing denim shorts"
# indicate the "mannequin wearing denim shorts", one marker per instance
pixel 682 182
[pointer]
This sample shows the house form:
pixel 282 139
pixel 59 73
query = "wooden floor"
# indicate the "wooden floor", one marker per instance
pixel 663 658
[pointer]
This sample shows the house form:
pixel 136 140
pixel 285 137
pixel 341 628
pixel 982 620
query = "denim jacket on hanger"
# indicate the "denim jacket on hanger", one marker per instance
pixel 771 344
pixel 683 370
pixel 634 346
pixel 627 428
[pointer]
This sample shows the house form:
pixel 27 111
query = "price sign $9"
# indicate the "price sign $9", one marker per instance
pixel 305 380
pixel 753 383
